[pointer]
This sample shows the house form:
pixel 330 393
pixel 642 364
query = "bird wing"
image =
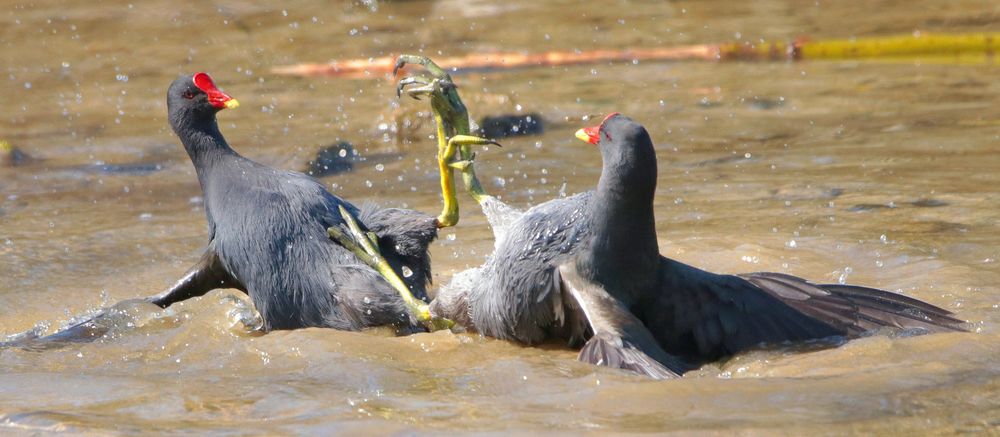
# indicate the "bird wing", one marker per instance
pixel 855 309
pixel 619 339
pixel 515 297
pixel 706 315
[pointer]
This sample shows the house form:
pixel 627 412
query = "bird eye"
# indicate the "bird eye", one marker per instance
pixel 189 94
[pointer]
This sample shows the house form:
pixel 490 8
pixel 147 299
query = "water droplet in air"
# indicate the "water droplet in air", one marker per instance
pixel 843 276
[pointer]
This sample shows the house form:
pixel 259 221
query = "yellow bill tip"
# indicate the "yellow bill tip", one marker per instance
pixel 582 135
pixel 232 104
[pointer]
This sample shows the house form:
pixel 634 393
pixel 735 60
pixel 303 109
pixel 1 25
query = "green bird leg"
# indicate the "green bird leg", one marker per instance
pixel 463 144
pixel 453 132
pixel 364 245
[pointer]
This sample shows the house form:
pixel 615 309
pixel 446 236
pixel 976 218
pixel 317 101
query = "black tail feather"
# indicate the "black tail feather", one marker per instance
pixel 615 352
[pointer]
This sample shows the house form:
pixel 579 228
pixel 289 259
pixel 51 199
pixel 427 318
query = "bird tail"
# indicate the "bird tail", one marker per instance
pixel 609 350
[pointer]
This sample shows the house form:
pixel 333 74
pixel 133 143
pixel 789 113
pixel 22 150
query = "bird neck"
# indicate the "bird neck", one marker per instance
pixel 623 249
pixel 205 145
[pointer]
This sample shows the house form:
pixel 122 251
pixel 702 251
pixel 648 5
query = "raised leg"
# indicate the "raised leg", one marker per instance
pixel 453 132
pixel 463 143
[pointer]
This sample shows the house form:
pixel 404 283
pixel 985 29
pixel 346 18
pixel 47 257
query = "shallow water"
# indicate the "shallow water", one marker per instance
pixel 881 174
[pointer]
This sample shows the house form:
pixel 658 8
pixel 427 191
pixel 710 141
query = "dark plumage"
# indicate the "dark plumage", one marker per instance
pixel 267 233
pixel 558 264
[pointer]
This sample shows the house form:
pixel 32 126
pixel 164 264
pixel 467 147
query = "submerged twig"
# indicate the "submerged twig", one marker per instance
pixel 973 47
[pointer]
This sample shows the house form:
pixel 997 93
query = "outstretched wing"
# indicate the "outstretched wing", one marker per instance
pixel 854 309
pixel 707 316
pixel 619 339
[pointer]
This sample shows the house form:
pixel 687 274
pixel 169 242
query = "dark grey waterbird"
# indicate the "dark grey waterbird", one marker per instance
pixel 268 236
pixel 267 232
pixel 588 267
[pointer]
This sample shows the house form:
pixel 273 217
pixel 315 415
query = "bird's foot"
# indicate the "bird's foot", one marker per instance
pixel 453 132
pixel 450 117
pixel 427 86
pixel 364 245
pixel 435 84
pixel 423 61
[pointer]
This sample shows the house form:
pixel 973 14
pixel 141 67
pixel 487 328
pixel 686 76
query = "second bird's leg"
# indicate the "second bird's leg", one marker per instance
pixel 462 144
pixel 364 245
pixel 453 133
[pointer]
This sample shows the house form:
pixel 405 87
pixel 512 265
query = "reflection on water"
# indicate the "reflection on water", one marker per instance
pixel 878 174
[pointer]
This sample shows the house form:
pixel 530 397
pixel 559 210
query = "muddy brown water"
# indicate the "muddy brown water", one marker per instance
pixel 877 173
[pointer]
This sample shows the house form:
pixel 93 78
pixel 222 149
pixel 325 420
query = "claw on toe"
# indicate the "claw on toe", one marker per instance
pixel 453 131
pixel 427 87
pixel 424 61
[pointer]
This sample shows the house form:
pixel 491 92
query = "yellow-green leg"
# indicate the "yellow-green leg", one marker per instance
pixel 463 144
pixel 449 209
pixel 453 133
pixel 365 246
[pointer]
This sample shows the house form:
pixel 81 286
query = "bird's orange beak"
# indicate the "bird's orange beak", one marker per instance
pixel 216 97
pixel 589 134
pixel 592 134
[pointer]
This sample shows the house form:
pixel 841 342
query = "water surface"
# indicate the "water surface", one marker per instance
pixel 881 174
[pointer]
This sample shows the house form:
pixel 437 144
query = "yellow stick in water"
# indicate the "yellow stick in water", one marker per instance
pixel 957 48
pixel 981 46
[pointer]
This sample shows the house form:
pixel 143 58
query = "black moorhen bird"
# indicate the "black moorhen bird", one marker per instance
pixel 267 232
pixel 588 267
pixel 268 236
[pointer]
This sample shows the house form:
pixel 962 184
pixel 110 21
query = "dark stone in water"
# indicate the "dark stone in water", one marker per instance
pixel 765 103
pixel 12 156
pixel 870 207
pixel 706 103
pixel 718 161
pixel 127 169
pixel 502 126
pixel 333 159
pixel 929 203
pixel 920 203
